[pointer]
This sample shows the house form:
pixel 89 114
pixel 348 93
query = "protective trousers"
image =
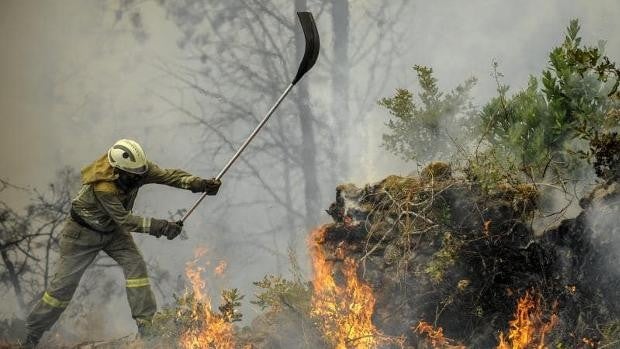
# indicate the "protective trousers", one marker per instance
pixel 78 248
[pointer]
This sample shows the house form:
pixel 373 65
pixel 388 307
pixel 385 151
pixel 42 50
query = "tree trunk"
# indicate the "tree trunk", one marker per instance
pixel 308 151
pixel 14 279
pixel 340 82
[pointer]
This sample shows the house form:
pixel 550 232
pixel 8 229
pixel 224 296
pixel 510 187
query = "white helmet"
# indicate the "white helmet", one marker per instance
pixel 128 156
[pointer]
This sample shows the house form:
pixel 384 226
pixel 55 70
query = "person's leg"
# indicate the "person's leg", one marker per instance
pixel 78 248
pixel 139 294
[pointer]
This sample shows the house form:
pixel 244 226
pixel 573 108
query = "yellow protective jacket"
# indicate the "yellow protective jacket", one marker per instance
pixel 105 207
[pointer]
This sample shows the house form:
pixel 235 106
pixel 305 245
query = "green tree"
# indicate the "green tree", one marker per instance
pixel 543 127
pixel 429 128
pixel 549 130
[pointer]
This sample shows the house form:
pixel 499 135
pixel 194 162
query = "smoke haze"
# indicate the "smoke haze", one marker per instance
pixel 76 77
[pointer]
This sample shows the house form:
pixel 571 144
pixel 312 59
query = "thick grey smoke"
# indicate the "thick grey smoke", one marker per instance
pixel 76 78
pixel 602 218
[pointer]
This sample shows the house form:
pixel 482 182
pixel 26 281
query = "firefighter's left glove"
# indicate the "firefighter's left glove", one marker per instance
pixel 162 227
pixel 209 186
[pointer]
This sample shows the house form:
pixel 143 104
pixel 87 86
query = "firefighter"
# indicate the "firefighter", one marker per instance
pixel 101 220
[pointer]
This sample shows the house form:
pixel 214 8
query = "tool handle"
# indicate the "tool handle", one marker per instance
pixel 241 149
pixel 311 54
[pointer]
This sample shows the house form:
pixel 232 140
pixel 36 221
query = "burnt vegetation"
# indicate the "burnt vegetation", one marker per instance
pixel 442 250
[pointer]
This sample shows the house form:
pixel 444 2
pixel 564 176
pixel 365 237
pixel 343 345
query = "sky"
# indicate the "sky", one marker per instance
pixel 75 79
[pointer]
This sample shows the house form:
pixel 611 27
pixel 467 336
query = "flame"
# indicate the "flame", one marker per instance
pixel 345 311
pixel 528 329
pixel 211 330
pixel 436 337
pixel 221 268
pixel 486 227
pixel 591 343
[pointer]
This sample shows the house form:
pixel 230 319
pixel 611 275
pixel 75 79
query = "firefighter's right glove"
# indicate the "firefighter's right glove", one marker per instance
pixel 209 186
pixel 161 227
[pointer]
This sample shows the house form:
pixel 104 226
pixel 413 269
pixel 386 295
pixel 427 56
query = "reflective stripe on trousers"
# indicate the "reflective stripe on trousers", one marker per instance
pixel 54 302
pixel 137 282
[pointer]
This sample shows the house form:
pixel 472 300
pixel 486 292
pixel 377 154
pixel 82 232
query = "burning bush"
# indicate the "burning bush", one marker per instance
pixel 192 323
pixel 445 250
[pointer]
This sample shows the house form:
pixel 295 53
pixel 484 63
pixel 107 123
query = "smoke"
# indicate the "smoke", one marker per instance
pixel 77 78
pixel 602 212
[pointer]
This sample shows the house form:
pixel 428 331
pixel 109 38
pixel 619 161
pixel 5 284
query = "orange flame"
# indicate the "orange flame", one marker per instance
pixel 528 329
pixel 344 312
pixel 212 331
pixel 221 268
pixel 436 337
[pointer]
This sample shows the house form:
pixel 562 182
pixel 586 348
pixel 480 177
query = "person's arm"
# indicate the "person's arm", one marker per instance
pixel 105 192
pixel 169 176
pixel 180 179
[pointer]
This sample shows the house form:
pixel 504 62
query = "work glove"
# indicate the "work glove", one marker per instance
pixel 209 186
pixel 162 227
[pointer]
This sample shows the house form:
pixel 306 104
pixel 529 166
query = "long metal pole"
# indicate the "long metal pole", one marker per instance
pixel 243 146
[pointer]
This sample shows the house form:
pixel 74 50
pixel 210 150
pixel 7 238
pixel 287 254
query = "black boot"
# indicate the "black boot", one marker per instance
pixel 30 343
pixel 145 329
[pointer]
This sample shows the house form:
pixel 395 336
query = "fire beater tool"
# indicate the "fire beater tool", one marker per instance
pixel 311 54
